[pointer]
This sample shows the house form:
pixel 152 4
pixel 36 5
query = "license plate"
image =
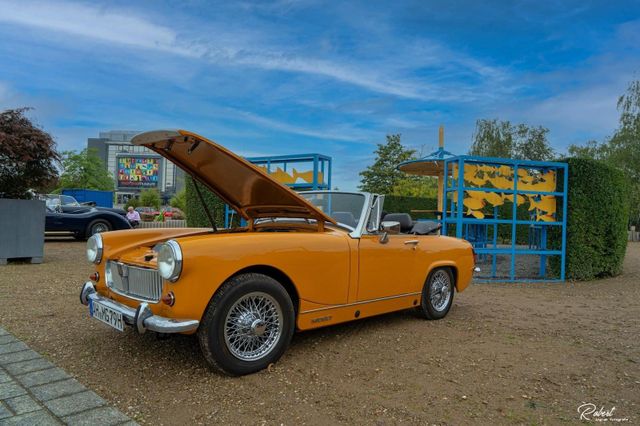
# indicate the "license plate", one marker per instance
pixel 107 315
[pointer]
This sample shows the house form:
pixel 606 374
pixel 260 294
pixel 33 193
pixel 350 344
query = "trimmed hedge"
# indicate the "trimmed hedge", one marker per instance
pixel 400 204
pixel 598 214
pixel 196 216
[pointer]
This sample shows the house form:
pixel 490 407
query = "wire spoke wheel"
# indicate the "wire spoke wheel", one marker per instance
pixel 440 290
pixel 99 228
pixel 253 326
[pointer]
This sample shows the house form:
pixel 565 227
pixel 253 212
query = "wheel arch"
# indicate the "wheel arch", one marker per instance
pixel 449 265
pixel 277 275
pixel 102 218
pixel 116 221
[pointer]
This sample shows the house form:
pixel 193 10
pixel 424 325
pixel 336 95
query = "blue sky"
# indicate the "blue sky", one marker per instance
pixel 308 76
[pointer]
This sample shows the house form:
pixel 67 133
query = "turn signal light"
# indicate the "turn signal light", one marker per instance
pixel 169 299
pixel 94 277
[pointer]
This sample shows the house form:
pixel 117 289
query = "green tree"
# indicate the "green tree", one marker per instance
pixel 416 186
pixel 495 138
pixel 382 176
pixel 179 200
pixel 531 143
pixel 27 155
pixel 621 150
pixel 85 169
pixel 592 149
pixel 492 138
pixel 150 198
pixel 624 145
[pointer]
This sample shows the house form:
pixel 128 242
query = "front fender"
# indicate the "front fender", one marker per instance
pixel 318 265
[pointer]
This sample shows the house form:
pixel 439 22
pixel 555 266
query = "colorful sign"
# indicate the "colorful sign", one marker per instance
pixel 138 172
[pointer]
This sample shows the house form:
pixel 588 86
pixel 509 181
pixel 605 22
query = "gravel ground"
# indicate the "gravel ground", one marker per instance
pixel 525 353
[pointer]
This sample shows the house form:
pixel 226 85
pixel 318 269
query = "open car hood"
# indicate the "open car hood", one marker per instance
pixel 244 187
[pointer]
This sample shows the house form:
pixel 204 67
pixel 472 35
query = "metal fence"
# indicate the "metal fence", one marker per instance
pixel 165 224
pixel 482 197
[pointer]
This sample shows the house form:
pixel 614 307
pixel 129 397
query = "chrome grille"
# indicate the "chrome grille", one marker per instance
pixel 134 281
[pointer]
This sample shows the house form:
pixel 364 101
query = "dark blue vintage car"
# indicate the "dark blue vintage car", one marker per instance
pixel 81 221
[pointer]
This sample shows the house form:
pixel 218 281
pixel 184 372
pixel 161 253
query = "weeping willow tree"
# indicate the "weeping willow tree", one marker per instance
pixel 622 149
pixel 502 139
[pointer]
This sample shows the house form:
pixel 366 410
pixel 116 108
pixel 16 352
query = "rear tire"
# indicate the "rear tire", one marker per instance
pixel 248 324
pixel 437 294
pixel 98 226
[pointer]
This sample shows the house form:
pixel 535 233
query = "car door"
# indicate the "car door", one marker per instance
pixel 386 268
pixel 54 221
pixel 386 265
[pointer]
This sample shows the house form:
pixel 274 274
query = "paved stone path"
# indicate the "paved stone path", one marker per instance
pixel 33 391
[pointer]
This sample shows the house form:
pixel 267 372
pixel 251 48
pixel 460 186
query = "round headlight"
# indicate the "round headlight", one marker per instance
pixel 94 248
pixel 170 260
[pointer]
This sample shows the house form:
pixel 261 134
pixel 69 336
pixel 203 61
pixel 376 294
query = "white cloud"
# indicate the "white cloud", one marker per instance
pixel 91 22
pixel 341 133
pixel 591 109
pixel 5 93
pixel 246 48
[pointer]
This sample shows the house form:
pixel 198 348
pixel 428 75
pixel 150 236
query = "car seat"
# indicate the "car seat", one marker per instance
pixel 406 223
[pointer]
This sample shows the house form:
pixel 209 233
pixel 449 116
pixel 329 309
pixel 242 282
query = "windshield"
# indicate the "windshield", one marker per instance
pixel 54 200
pixel 68 201
pixel 344 208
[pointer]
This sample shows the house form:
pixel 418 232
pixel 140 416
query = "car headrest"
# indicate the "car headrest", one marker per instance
pixel 406 223
pixel 346 218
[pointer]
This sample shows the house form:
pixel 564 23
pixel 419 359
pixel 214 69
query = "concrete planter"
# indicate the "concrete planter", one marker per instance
pixel 21 230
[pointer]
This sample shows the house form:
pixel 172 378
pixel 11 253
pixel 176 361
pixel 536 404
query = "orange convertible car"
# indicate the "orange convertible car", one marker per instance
pixel 304 260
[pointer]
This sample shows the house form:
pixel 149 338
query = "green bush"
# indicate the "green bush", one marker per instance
pixel 150 198
pixel 132 202
pixel 598 214
pixel 196 216
pixel 179 200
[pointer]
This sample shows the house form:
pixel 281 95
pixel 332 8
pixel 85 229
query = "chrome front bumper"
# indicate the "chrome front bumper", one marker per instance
pixel 142 319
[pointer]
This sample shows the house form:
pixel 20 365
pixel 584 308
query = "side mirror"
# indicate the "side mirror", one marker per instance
pixel 388 227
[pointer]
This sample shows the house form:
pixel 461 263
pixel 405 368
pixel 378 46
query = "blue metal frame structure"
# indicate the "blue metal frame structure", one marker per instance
pixel 321 164
pixel 453 214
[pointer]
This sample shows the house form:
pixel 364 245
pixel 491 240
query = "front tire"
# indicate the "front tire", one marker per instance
pixel 247 325
pixel 437 294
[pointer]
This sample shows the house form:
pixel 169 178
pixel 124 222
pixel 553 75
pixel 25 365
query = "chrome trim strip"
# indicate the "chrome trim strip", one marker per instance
pixel 99 248
pixel 364 214
pixel 177 256
pixel 362 302
pixel 141 318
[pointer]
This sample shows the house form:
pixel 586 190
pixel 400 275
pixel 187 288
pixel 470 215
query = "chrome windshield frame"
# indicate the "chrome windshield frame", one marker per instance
pixel 364 214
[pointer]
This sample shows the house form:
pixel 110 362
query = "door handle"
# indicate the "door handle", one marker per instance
pixel 413 242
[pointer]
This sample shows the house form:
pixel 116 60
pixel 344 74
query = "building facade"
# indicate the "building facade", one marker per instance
pixel 135 168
